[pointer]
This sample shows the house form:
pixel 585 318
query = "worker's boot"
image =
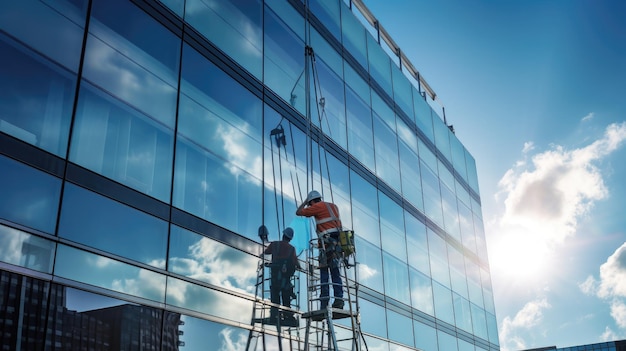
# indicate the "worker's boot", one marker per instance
pixel 338 303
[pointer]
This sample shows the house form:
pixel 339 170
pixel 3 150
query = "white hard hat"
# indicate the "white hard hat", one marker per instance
pixel 288 233
pixel 314 194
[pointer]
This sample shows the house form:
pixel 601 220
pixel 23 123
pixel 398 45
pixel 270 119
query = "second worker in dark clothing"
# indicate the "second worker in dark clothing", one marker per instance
pixel 283 265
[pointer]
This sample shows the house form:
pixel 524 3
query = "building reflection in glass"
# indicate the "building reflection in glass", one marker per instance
pixel 79 320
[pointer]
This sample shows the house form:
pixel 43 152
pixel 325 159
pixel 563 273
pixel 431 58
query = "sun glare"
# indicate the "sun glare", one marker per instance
pixel 519 256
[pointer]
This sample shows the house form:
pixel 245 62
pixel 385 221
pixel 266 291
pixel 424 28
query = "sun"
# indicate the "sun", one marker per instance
pixel 519 256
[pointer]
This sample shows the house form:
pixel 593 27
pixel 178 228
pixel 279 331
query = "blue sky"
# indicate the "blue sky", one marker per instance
pixel 536 91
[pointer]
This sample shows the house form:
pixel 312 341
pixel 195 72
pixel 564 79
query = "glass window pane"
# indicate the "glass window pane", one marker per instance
pixel 450 213
pixel 59 28
pixel 372 325
pixel 392 227
pixel 458 156
pixel 24 305
pixel 234 26
pixel 29 197
pixel 447 342
pixel 201 334
pixel 356 82
pixel 370 265
pixel 438 259
pixel 327 11
pixel 479 322
pixel 402 91
pixel 425 337
pixel 417 244
pixel 88 321
pixel 379 65
pixel 421 292
pixel 177 6
pixel 219 152
pixel 492 329
pixel 36 96
pixel 201 299
pixel 396 279
pixel 443 303
pixel 411 178
pixel 330 107
pixel 462 313
pixel 442 138
pixel 354 36
pixel 423 116
pixel 107 225
pixel 198 257
pixel 115 140
pixel 360 132
pixel 400 328
pixel 23 249
pixel 386 149
pixel 89 268
pixel 284 59
pixel 365 209
pixel 134 58
pixel 432 195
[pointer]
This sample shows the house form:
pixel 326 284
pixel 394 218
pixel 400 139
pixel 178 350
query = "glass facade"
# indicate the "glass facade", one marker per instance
pixel 136 164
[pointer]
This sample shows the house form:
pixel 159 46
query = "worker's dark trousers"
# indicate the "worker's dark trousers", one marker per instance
pixel 336 279
pixel 279 289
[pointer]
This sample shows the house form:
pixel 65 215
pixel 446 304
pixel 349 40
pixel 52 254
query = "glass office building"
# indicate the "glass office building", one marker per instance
pixel 136 165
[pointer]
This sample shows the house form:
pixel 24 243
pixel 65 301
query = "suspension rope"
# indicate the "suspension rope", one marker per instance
pixel 321 113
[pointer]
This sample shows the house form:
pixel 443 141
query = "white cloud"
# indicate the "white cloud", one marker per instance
pixel 611 287
pixel 610 335
pixel 588 117
pixel 548 196
pixel 545 196
pixel 528 317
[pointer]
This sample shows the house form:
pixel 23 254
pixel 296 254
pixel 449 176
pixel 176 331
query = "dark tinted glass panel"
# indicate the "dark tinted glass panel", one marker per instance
pixel 379 65
pixel 219 153
pixel 284 60
pixel 423 116
pixel 330 107
pixel 354 38
pixel 402 91
pixel 134 58
pixel 53 28
pixel 29 197
pixel 24 303
pixel 117 141
pixel 36 96
pixel 26 250
pixel 94 220
pixel 95 322
pixel 327 11
pixel 234 26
